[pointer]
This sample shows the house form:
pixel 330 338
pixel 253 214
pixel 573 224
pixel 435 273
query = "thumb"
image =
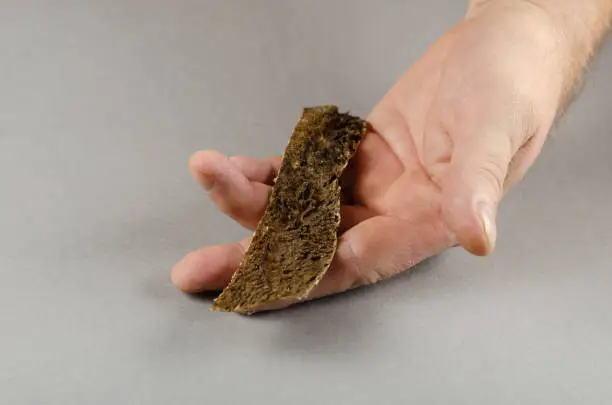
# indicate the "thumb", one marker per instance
pixel 473 187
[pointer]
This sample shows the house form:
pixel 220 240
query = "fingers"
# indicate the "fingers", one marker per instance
pixel 209 268
pixel 233 184
pixel 261 171
pixel 351 215
pixel 238 187
pixel 473 185
pixel 375 169
pixel 375 249
pixel 380 248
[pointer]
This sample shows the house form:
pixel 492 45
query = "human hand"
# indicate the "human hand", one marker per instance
pixel 455 132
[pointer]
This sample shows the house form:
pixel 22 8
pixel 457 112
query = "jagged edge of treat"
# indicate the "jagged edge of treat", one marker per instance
pixel 253 309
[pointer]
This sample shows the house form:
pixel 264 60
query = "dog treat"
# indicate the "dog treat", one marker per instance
pixel 296 238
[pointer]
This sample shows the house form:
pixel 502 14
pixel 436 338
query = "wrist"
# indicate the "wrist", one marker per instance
pixel 572 29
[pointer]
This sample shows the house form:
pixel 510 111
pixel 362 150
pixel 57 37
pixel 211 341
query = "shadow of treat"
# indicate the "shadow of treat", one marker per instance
pixel 342 325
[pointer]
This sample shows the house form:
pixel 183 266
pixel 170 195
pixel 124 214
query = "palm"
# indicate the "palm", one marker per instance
pixel 397 221
pixel 391 185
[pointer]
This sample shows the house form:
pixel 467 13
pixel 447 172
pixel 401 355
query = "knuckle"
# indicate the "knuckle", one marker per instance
pixel 494 173
pixel 353 273
pixel 365 277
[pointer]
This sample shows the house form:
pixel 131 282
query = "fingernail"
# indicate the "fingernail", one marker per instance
pixel 208 182
pixel 486 215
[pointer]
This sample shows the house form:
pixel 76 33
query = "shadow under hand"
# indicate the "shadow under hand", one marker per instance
pixel 340 327
pixel 344 325
pixel 206 297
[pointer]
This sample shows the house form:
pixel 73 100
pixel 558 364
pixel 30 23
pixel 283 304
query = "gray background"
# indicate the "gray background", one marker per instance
pixel 101 104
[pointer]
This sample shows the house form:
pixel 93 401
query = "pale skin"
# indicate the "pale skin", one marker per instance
pixel 457 130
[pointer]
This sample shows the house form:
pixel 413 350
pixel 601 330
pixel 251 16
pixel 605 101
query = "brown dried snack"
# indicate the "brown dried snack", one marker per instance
pixel 295 240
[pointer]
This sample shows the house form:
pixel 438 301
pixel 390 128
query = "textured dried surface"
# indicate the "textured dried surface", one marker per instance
pixel 295 240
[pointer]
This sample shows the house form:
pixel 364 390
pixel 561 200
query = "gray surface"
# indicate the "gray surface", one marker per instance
pixel 101 103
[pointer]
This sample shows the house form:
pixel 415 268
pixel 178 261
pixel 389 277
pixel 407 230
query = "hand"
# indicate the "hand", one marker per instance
pixel 456 131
